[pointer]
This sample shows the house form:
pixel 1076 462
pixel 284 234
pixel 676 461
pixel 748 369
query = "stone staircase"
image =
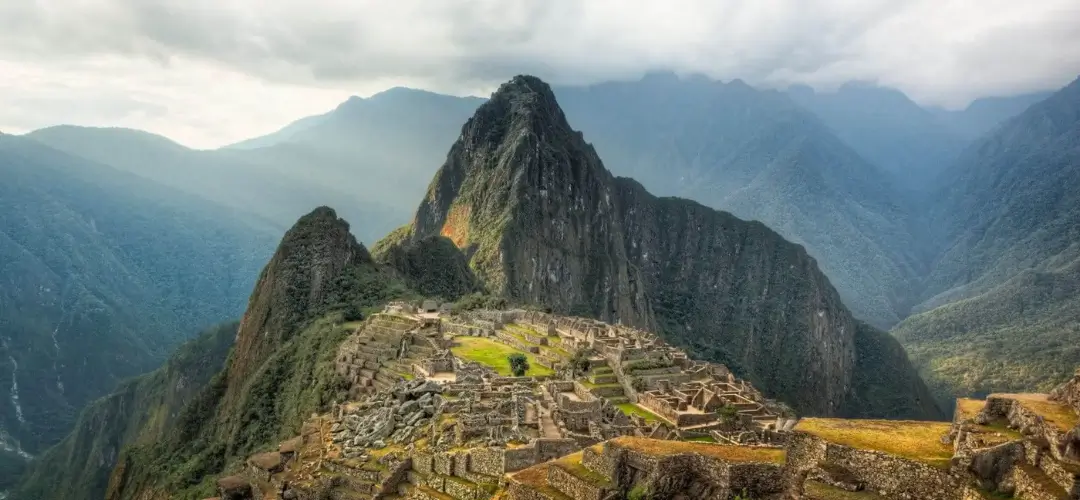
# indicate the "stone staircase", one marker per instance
pixel 381 353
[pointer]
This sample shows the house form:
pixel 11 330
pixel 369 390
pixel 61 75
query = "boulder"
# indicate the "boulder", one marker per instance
pixel 408 407
pixel 427 387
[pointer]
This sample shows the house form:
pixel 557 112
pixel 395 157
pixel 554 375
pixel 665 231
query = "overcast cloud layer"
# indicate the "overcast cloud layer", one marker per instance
pixel 211 72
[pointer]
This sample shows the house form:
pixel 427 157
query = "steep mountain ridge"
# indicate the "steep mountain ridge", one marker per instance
pixel 104 273
pixel 280 368
pixel 984 114
pixel 542 221
pixel 888 129
pixel 1001 297
pixel 141 410
pixel 1007 203
pixel 762 157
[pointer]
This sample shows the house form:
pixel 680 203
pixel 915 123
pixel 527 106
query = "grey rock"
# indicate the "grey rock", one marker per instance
pixel 407 407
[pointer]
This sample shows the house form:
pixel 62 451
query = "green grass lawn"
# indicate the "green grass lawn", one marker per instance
pixel 494 354
pixel 633 409
pixel 518 332
pixel 702 439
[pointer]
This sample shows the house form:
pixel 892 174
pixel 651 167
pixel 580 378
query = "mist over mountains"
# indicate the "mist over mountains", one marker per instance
pixel 957 229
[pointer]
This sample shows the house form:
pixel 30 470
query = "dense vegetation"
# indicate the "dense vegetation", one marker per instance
pixel 281 367
pixel 761 157
pixel 103 274
pixel 888 129
pixel 142 410
pixel 1002 296
pixel 431 266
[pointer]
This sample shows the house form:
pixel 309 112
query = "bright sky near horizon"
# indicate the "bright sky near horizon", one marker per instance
pixel 212 72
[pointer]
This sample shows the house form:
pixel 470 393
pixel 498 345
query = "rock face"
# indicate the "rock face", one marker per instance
pixel 295 285
pixel 432 266
pixel 276 375
pixel 542 221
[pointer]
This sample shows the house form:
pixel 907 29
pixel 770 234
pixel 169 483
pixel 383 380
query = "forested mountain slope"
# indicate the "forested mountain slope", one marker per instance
pixel 887 129
pixel 760 156
pixel 103 273
pixel 543 222
pixel 1010 222
pixel 370 156
pixel 141 410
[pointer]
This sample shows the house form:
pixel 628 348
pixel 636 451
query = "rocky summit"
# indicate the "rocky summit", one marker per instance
pixel 541 221
pixel 542 329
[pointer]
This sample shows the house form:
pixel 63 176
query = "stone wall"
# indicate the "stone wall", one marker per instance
pixel 487 461
pixel 567 404
pixel 892 477
pixel 1030 423
pixel 1068 393
pixel 575 487
pixel 519 458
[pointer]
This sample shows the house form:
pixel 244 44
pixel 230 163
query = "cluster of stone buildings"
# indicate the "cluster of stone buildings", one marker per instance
pixel 624 415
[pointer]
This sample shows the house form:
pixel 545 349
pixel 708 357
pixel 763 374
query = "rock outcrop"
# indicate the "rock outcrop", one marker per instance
pixel 275 376
pixel 542 221
pixel 298 283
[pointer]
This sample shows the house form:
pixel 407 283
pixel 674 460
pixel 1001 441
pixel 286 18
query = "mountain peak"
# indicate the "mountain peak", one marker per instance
pixel 525 94
pixel 294 287
pixel 541 221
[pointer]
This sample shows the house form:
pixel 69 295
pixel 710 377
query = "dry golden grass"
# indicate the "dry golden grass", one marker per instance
pixel 572 464
pixel 918 441
pixel 1062 416
pixel 535 476
pixel 724 452
pixel 968 408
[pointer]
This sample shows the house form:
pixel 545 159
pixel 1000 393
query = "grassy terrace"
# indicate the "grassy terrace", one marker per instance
pixel 494 354
pixel 1062 416
pixel 535 477
pixel 724 452
pixel 968 408
pixel 572 464
pixel 918 441
pixel 519 331
pixel 633 409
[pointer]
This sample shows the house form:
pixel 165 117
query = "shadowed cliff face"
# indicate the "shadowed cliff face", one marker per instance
pixel 542 221
pixel 292 288
pixel 534 209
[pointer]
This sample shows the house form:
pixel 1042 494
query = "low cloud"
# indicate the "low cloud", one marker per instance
pixel 941 52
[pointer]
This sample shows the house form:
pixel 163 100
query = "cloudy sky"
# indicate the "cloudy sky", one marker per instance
pixel 211 72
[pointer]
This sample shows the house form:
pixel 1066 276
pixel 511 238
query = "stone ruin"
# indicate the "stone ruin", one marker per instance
pixel 397 417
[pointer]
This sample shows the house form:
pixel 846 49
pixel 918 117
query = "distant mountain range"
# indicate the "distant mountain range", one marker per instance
pixel 1002 300
pixel 528 204
pixel 102 274
pixel 963 217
